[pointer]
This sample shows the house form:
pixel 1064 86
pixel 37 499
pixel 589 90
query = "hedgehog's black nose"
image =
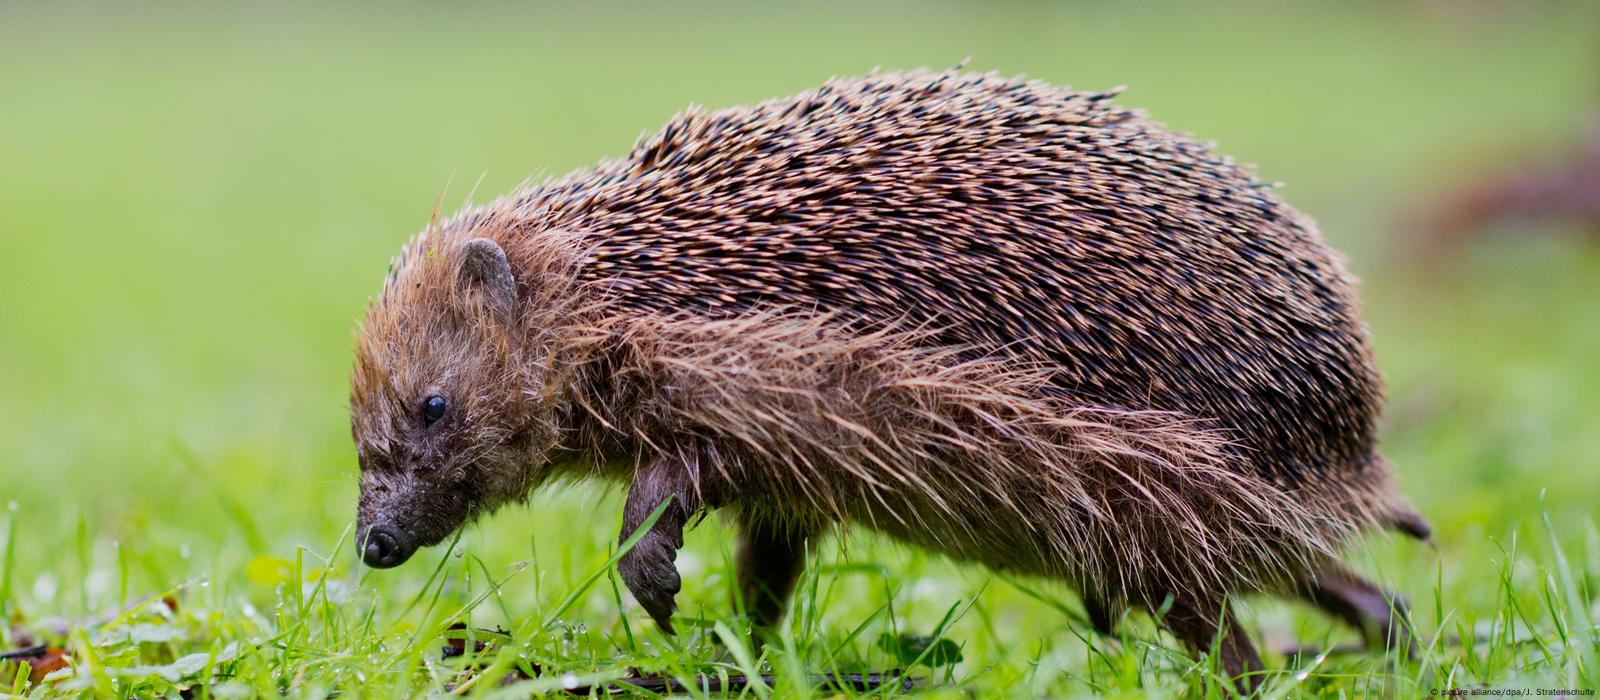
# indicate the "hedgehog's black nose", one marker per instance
pixel 383 549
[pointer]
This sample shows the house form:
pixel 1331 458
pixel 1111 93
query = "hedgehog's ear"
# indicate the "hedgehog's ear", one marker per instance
pixel 484 268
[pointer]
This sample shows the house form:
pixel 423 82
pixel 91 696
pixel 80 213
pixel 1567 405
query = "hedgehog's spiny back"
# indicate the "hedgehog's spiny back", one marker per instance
pixel 1024 220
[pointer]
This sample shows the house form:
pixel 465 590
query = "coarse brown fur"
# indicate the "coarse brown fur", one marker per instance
pixel 1007 322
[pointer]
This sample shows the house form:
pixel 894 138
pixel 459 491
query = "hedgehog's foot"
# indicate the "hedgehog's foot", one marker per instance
pixel 1205 626
pixel 771 557
pixel 1380 615
pixel 648 568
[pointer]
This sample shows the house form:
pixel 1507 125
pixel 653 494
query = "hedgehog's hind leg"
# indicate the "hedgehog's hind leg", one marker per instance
pixel 1212 626
pixel 1380 615
pixel 770 559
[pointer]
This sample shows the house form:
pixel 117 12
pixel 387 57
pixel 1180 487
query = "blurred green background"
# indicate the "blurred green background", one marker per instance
pixel 196 202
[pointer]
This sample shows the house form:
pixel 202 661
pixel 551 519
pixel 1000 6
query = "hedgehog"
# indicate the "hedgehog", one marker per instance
pixel 1000 320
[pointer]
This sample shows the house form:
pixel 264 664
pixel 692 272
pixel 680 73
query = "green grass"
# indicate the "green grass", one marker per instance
pixel 196 202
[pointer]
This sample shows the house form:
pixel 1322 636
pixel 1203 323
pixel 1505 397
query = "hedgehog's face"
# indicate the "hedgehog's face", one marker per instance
pixel 444 406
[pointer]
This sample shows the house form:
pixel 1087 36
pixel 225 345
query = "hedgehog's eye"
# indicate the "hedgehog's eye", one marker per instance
pixel 432 409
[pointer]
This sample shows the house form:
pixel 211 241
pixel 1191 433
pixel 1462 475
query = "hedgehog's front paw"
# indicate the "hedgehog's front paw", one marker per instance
pixel 648 571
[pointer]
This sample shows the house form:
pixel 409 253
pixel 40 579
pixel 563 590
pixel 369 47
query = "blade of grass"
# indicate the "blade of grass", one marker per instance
pixel 743 658
pixel 428 585
pixel 627 629
pixel 8 608
pixel 1575 605
pixel 85 562
pixel 500 600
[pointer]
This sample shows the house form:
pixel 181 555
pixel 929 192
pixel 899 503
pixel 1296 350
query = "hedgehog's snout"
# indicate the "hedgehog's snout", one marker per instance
pixel 384 547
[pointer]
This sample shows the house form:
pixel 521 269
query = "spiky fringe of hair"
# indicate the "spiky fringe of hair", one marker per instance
pixel 813 421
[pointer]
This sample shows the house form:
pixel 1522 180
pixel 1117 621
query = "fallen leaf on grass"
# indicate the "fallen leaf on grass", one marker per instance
pixel 42 660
